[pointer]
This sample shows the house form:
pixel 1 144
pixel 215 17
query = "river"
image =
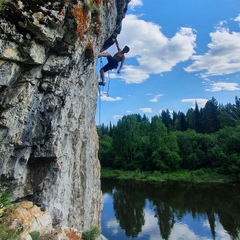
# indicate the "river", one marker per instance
pixel 170 210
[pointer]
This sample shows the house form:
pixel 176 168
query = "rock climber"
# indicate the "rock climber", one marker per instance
pixel 113 61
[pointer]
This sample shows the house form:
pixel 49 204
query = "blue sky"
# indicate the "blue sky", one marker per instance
pixel 182 51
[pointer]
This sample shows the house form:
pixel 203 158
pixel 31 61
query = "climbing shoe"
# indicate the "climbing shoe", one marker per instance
pixel 101 83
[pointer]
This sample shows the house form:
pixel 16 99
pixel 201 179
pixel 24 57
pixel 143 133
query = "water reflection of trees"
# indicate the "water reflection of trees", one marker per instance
pixel 172 201
pixel 128 211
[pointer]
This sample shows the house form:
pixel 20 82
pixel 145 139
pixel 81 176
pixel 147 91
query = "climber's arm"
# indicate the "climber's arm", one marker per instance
pixel 122 63
pixel 117 45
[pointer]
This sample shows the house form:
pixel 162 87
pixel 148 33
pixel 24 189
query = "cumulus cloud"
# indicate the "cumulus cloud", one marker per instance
pixel 200 101
pixel 237 19
pixel 156 97
pixel 223 86
pixel 135 3
pixel 106 98
pixel 222 57
pixel 146 110
pixel 153 51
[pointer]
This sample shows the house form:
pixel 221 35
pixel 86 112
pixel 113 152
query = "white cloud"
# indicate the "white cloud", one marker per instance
pixel 221 86
pixel 154 52
pixel 115 117
pixel 237 19
pixel 222 57
pixel 156 97
pixel 146 110
pixel 133 76
pixel 200 102
pixel 106 98
pixel 135 3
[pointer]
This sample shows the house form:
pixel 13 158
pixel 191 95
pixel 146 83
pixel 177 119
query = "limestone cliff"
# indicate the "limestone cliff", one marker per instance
pixel 48 82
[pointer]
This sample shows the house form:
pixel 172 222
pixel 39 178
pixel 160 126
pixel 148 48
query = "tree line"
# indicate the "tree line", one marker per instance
pixel 202 138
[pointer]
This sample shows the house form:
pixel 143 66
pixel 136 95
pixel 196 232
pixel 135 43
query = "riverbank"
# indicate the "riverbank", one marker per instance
pixel 202 175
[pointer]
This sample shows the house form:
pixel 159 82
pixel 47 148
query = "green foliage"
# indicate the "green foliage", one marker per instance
pixel 92 234
pixel 1 5
pixel 91 7
pixel 106 153
pixel 7 230
pixel 35 235
pixel 96 8
pixel 4 200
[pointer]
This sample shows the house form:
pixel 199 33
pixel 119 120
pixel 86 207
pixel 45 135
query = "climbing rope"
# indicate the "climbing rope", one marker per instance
pixel 101 88
pixel 101 92
pixel 108 85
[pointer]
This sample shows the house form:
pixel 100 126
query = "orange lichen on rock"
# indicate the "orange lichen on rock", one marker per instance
pixel 82 19
pixel 71 234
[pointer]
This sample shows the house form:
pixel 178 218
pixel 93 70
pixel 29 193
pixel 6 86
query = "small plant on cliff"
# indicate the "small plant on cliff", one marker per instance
pixel 35 235
pixel 91 234
pixel 9 230
pixel 86 5
pixel 1 5
pixel 91 7
pixel 96 8
pixel 4 201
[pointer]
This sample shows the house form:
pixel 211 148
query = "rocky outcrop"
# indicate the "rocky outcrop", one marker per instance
pixel 48 82
pixel 31 219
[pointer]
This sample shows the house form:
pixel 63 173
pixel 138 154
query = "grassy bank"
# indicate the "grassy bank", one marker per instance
pixel 202 175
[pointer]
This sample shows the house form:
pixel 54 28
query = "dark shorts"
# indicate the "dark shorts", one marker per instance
pixel 112 63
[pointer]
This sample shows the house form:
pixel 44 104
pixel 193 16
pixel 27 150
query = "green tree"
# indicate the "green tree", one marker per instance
pixel 210 116
pixel 179 121
pixel 166 118
pixel 164 150
pixel 198 119
pixel 126 139
pixel 190 118
pixel 105 151
pixel 195 149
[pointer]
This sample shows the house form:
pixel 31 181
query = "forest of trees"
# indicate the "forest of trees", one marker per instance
pixel 202 138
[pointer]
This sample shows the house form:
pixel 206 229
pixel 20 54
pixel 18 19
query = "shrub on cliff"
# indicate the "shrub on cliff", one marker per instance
pixel 92 234
pixel 8 229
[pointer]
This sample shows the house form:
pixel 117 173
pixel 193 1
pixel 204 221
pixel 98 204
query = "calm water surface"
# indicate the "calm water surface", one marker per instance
pixel 183 211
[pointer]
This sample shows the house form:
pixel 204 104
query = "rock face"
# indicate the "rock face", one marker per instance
pixel 48 82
